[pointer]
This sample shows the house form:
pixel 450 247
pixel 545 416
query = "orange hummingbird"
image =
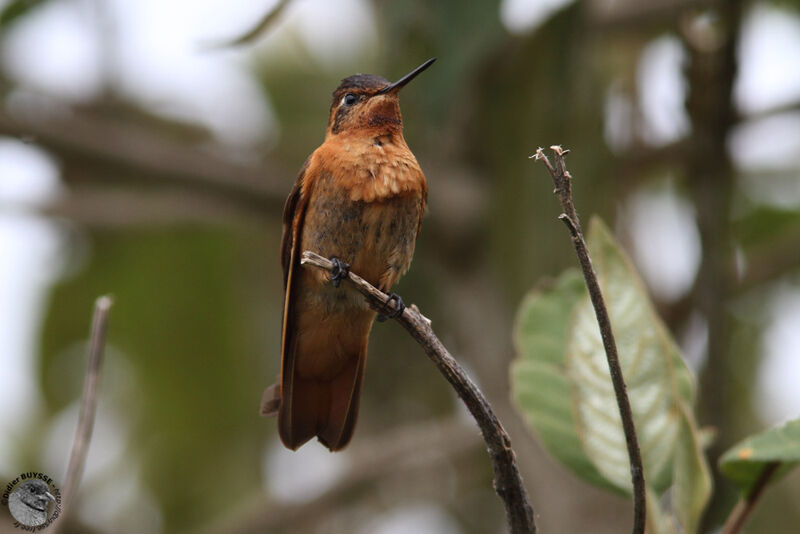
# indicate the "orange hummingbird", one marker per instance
pixel 358 200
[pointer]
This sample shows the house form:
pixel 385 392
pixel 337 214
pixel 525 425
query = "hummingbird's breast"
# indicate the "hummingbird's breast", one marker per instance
pixel 365 209
pixel 373 167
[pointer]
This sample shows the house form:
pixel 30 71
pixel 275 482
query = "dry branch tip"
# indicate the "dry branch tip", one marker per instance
pixel 563 190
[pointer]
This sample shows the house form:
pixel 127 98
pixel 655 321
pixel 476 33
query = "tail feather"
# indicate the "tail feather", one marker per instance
pixel 344 393
pixel 298 418
pixel 327 409
pixel 325 406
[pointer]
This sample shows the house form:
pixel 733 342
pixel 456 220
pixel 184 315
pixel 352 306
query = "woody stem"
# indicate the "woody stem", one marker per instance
pixel 563 189
pixel 507 479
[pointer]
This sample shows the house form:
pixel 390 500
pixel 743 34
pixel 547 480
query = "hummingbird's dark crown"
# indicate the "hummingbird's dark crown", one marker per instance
pixel 360 83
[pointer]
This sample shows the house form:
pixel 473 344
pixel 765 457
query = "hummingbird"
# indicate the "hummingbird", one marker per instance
pixel 359 200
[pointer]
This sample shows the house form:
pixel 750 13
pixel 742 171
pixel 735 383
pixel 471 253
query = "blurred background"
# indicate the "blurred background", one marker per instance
pixel 138 157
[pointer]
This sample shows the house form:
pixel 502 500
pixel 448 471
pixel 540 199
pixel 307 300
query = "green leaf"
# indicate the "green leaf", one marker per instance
pixel 540 388
pixel 692 477
pixel 657 379
pixel 562 387
pixel 744 462
pixel 541 328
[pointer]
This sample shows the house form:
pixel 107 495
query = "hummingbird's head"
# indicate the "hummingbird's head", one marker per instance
pixel 369 104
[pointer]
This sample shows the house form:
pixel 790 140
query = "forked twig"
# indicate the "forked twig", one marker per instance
pixel 563 189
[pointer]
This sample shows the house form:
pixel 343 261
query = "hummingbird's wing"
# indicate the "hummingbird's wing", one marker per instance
pixel 292 225
pixel 423 204
pixel 323 348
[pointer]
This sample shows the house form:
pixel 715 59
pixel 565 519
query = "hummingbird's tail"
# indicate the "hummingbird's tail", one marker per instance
pixel 323 403
pixel 327 409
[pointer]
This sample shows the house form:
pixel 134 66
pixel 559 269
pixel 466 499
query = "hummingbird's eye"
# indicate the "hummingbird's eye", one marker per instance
pixel 349 99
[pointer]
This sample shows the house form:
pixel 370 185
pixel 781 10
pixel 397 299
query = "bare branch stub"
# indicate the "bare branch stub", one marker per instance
pixel 507 479
pixel 83 432
pixel 563 189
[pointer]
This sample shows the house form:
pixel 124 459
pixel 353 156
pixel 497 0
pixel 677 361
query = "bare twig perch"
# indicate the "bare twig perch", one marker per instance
pixel 563 189
pixel 83 433
pixel 741 513
pixel 507 479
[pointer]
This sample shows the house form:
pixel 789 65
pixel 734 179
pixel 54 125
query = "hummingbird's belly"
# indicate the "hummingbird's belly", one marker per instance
pixel 375 238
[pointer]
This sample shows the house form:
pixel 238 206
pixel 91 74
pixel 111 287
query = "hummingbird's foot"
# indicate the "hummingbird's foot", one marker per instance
pixel 339 271
pixel 399 306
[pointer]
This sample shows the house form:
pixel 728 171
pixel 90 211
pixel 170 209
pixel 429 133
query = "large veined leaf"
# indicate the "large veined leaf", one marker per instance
pixel 562 386
pixel 541 390
pixel 745 462
pixel 657 379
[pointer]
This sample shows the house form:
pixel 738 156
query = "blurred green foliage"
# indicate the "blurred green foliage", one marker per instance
pixel 181 322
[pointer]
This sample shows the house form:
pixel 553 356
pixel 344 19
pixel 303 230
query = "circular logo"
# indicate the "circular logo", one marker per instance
pixel 33 500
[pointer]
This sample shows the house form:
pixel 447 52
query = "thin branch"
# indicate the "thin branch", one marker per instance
pixel 98 206
pixel 507 479
pixel 563 189
pixel 119 148
pixel 260 28
pixel 741 513
pixel 110 158
pixel 83 433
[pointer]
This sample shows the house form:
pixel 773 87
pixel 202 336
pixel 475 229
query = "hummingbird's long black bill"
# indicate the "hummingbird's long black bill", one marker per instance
pixel 396 86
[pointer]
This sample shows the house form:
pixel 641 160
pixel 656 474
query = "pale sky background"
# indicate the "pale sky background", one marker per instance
pixel 154 55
